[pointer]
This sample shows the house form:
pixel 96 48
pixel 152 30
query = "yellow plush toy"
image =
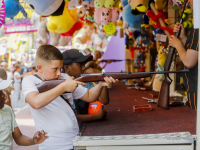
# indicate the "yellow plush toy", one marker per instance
pixel 64 22
pixel 162 55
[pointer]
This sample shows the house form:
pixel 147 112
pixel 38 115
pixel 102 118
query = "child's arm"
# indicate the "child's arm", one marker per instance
pixel 94 93
pixel 87 118
pixel 39 100
pixel 23 140
pixel 19 77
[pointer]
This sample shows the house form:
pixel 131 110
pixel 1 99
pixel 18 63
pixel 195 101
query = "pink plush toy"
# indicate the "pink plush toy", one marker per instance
pixel 115 14
pixel 105 16
pixel 97 15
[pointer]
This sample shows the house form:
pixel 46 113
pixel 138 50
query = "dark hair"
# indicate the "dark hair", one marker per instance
pixel 48 52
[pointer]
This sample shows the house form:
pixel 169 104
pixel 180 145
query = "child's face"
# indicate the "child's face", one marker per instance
pixel 75 69
pixel 50 70
pixel 2 99
pixel 19 69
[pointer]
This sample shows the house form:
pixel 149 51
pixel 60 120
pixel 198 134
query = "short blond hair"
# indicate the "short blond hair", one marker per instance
pixel 47 53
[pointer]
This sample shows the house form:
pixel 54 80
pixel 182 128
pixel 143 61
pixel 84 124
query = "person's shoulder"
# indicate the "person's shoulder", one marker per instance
pixel 8 108
pixel 30 78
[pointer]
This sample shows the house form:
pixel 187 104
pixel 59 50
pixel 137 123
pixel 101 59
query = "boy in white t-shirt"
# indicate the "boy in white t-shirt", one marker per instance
pixel 49 109
pixel 8 126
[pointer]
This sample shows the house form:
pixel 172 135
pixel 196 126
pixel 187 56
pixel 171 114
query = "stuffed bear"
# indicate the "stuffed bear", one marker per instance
pixel 64 22
pixel 54 38
pixel 105 16
pixel 109 4
pixel 86 36
pixel 99 3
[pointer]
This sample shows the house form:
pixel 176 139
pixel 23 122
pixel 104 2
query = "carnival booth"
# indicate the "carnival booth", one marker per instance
pixel 147 108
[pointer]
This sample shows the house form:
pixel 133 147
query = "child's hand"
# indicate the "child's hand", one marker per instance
pixel 39 137
pixel 109 81
pixel 70 85
pixel 175 42
pixel 177 28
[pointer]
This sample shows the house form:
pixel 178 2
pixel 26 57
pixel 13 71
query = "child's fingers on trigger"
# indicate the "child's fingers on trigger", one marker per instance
pixel 80 83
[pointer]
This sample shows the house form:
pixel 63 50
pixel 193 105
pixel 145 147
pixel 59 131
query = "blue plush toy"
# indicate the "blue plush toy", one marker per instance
pixel 12 8
pixel 134 21
pixel 47 7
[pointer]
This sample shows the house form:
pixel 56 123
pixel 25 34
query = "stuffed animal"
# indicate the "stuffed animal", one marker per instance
pixel 86 35
pixel 89 16
pixel 105 16
pixel 74 3
pixel 109 4
pixel 133 22
pixel 42 31
pixel 106 3
pixel 12 8
pixel 139 6
pixel 47 7
pixel 64 40
pixel 77 26
pixel 35 19
pixel 99 38
pixel 64 22
pixel 114 14
pixel 54 38
pixel 99 3
pixel 97 13
pixel 160 6
pixel 162 55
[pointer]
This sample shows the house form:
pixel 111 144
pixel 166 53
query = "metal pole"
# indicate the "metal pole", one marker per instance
pixel 196 6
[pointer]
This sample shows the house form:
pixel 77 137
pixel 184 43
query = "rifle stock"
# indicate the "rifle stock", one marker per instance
pixel 163 99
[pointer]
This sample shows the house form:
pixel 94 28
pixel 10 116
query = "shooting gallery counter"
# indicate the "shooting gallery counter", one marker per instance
pixel 122 121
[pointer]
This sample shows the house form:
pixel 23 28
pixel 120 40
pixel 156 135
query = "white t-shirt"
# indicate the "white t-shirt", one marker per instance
pixel 56 118
pixel 15 79
pixel 9 75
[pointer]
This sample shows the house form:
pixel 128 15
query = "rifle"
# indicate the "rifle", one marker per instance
pixel 48 85
pixel 113 60
pixel 163 99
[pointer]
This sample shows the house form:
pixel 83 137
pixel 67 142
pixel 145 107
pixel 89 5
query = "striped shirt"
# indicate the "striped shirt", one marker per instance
pixel 190 78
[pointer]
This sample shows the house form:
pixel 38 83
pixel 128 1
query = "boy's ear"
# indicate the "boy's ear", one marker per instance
pixel 39 68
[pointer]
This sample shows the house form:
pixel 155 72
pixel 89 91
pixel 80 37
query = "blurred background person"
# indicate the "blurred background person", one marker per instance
pixel 17 86
pixel 4 65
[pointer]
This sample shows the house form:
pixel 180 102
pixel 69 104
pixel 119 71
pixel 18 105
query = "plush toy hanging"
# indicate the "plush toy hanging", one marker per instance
pixel 160 6
pixel 139 6
pixel 47 7
pixel 162 55
pixel 133 22
pixel 64 22
pixel 12 8
pixel 77 26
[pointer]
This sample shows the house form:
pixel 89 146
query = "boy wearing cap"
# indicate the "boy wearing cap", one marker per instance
pixel 74 65
pixel 8 126
pixel 52 109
